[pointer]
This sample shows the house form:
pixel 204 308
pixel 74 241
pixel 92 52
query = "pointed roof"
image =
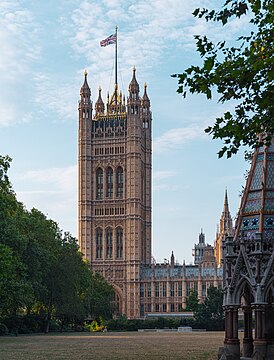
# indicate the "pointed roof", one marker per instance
pixel 226 208
pixel 145 98
pixel 256 214
pixel 99 105
pixel 133 85
pixel 85 89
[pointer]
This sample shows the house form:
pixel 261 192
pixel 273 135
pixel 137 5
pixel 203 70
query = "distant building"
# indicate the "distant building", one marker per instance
pixel 114 209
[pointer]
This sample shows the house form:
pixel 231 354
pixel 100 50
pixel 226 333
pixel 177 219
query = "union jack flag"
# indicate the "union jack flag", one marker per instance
pixel 109 40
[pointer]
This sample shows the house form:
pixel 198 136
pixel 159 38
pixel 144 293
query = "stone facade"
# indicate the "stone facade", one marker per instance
pixel 114 208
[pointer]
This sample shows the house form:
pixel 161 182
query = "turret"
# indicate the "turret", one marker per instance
pixel 85 92
pixel 145 99
pixel 85 105
pixel 172 259
pixel 99 105
pixel 133 90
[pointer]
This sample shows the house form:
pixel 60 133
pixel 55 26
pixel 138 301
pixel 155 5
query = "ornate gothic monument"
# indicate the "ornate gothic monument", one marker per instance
pixel 249 266
pixel 115 209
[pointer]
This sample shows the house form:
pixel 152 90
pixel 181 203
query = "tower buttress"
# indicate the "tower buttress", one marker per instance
pixel 84 168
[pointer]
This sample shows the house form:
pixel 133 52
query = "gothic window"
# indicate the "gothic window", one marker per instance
pixel 180 289
pixel 120 181
pixel 172 289
pixel 99 183
pixel 172 308
pixel 188 289
pixel 203 289
pixel 164 307
pixel 109 182
pixel 109 243
pixel 164 289
pixel 99 243
pixel 148 290
pixel 119 243
pixel 142 293
pixel 156 290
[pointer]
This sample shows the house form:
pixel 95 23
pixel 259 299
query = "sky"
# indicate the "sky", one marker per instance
pixel 45 48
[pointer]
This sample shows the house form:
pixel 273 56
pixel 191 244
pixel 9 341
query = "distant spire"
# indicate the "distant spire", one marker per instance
pixel 226 208
pixel 172 259
pixel 226 220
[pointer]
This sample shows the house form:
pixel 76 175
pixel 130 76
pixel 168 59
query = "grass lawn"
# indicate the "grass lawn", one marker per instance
pixel 130 345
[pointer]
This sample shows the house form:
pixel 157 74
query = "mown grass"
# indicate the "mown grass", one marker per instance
pixel 189 346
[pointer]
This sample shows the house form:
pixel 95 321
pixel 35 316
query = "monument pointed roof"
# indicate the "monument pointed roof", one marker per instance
pixel 256 214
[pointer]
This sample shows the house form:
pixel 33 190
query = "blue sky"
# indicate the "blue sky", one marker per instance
pixel 45 47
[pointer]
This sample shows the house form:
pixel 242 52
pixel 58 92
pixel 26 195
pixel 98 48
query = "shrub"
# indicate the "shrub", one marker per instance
pixel 3 329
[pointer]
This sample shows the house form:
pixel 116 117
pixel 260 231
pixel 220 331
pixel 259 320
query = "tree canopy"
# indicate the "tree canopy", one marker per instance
pixel 42 273
pixel 210 313
pixel 243 73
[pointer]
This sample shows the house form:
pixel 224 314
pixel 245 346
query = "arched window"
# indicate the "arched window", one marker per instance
pixel 119 182
pixel 99 243
pixel 119 243
pixel 109 243
pixel 109 183
pixel 99 183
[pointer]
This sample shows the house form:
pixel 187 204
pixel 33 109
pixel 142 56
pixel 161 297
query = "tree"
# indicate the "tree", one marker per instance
pixel 243 73
pixel 210 314
pixel 101 298
pixel 192 301
pixel 15 289
pixel 42 273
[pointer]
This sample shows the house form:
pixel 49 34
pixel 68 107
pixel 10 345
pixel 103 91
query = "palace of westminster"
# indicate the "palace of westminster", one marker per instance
pixel 114 209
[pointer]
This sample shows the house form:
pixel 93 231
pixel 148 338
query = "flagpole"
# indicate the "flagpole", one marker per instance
pixel 116 81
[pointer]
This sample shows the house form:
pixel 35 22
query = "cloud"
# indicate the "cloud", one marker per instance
pixel 160 176
pixel 19 50
pixel 165 174
pixel 146 31
pixel 55 96
pixel 53 191
pixel 174 138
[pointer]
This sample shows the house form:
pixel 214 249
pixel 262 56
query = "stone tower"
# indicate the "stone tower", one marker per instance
pixel 224 229
pixel 114 200
pixel 249 265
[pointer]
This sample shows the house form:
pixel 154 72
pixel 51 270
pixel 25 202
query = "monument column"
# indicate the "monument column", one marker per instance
pixel 260 340
pixel 247 340
pixel 232 342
